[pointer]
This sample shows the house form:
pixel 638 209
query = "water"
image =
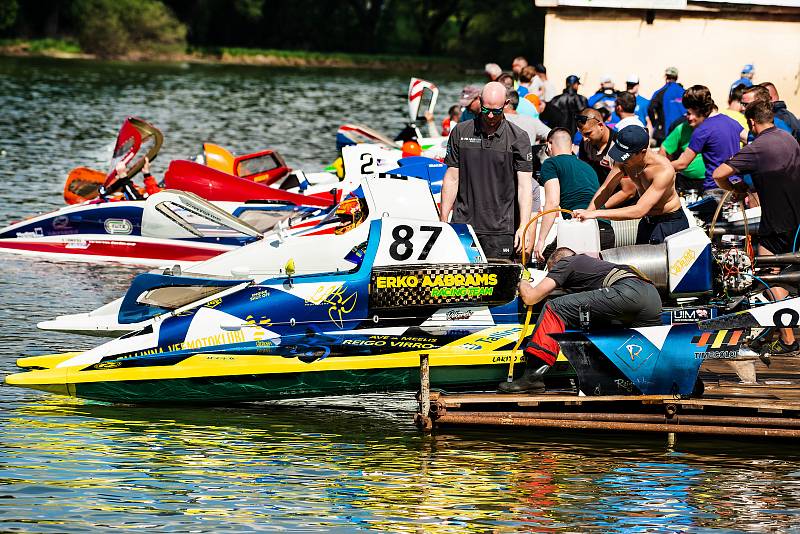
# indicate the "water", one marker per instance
pixel 326 464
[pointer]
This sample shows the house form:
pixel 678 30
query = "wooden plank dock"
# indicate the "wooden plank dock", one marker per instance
pixel 765 405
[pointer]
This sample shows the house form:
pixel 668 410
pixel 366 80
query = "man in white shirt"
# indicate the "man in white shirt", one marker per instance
pixel 536 129
pixel 626 110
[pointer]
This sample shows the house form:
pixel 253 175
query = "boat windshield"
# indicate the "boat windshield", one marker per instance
pixel 194 215
pixel 136 140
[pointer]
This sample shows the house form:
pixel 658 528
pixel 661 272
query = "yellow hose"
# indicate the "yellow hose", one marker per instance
pixel 524 330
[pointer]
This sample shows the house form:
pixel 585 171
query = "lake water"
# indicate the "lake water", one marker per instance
pixel 327 464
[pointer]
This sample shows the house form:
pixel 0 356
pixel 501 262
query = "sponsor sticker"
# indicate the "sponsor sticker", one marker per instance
pixel 118 226
pixel 683 262
pixel 444 284
pixel 690 315
pixel 721 345
pixel 37 232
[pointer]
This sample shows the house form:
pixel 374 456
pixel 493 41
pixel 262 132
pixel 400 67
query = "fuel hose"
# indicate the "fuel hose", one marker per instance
pixel 524 331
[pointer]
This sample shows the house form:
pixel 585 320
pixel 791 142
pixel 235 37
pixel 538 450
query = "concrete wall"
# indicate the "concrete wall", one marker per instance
pixel 708 48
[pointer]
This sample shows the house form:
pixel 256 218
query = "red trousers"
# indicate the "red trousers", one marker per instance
pixel 541 345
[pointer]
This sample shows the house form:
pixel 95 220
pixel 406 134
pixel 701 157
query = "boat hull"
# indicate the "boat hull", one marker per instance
pixel 100 249
pixel 223 379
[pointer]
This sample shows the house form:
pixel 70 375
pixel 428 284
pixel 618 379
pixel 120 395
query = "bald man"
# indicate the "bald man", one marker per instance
pixel 488 180
pixel 568 183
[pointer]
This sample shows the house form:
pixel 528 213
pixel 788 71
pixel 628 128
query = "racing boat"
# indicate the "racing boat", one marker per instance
pixel 258 259
pixel 321 316
pixel 266 167
pixel 421 98
pixel 351 305
pixel 171 226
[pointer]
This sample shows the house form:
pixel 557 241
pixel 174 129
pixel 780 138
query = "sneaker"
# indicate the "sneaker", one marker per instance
pixel 777 348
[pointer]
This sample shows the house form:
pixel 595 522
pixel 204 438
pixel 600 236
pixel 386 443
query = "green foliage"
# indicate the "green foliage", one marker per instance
pixel 112 28
pixel 8 13
pixel 472 31
pixel 341 57
pixel 42 46
pixel 249 9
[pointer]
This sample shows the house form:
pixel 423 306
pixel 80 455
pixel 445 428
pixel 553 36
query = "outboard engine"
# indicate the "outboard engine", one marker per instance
pixel 679 267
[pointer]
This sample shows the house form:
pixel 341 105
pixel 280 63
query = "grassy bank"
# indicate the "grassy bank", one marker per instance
pixel 239 56
pixel 41 47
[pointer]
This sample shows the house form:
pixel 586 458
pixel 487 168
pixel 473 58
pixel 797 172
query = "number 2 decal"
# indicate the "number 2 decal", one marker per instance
pixel 402 248
pixel 367 160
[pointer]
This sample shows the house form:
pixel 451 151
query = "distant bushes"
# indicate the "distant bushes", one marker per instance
pixel 112 28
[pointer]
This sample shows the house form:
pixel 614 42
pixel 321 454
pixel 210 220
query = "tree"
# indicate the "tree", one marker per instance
pixel 8 13
pixel 112 28
pixel 368 13
pixel 430 16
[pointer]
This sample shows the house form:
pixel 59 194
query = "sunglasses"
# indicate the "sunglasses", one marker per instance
pixel 582 119
pixel 495 111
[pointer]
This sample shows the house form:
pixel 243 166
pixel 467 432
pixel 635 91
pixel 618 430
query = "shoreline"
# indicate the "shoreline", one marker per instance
pixel 240 56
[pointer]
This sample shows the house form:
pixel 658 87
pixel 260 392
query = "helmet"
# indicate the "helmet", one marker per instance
pixel 411 148
pixel 350 214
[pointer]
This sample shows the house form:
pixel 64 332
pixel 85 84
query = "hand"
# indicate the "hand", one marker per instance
pixel 584 215
pixel 146 166
pixel 740 191
pixel 122 172
pixel 429 116
pixel 537 251
pixel 518 240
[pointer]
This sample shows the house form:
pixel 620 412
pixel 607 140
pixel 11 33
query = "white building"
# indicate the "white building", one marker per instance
pixel 709 43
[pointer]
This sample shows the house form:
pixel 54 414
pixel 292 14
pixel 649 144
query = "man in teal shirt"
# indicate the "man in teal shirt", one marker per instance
pixel 568 183
pixel 673 146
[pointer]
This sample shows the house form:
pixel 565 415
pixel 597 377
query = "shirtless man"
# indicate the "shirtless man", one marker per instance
pixel 658 205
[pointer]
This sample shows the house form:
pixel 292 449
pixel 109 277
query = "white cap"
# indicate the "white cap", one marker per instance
pixel 606 78
pixel 632 78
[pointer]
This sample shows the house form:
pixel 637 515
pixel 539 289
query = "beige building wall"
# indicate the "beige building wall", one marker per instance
pixel 707 48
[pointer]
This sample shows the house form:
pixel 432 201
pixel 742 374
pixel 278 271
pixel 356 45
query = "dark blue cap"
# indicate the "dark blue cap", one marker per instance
pixel 573 79
pixel 630 140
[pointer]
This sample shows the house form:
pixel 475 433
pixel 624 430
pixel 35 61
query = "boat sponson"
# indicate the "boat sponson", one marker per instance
pixel 219 378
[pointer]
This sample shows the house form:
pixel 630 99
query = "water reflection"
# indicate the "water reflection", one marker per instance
pixel 309 465
pixel 333 464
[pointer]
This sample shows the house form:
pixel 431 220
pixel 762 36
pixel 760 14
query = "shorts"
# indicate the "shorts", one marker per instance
pixel 653 229
pixel 631 302
pixel 499 247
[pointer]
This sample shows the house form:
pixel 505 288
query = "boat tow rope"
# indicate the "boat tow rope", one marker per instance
pixel 524 332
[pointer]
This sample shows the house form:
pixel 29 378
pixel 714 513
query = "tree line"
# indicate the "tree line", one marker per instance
pixel 468 29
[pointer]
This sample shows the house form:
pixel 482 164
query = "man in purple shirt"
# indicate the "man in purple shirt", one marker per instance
pixel 773 159
pixel 716 136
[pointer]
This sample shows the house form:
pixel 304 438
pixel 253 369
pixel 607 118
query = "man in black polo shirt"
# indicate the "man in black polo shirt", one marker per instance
pixel 773 160
pixel 489 177
pixel 613 295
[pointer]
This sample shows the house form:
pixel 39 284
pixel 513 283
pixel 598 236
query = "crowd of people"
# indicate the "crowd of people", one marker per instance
pixel 613 155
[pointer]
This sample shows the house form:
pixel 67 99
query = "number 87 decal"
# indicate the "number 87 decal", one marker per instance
pixel 402 248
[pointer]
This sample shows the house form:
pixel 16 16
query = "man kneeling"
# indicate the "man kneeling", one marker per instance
pixel 613 295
